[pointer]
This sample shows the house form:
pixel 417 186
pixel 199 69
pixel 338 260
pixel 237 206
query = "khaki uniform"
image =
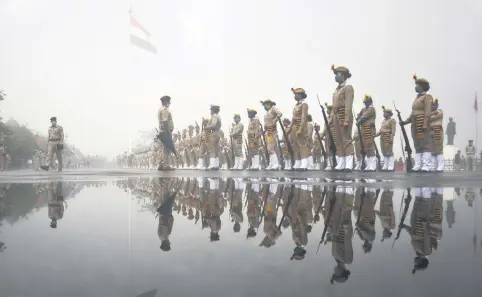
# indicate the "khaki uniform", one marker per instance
pixel 436 121
pixel 166 124
pixel 419 229
pixel 270 119
pixel 341 225
pixel 470 152
pixel 301 214
pixel 386 213
pixel 366 213
pixel 437 213
pixel 299 131
pixel 342 109
pixel 55 137
pixel 237 135
pixel 254 136
pixel 387 134
pixel 213 126
pixel 366 118
pixel 55 202
pixel 421 112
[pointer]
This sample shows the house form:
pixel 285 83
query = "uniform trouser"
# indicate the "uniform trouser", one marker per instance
pixel 238 148
pixel 386 147
pixel 422 141
pixel 300 146
pixel 344 145
pixel 437 146
pixel 214 149
pixel 368 142
pixel 52 148
pixel 164 155
pixel 470 163
pixel 3 163
pixel 272 143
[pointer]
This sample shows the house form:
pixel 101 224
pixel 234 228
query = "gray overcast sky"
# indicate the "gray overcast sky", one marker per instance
pixel 72 59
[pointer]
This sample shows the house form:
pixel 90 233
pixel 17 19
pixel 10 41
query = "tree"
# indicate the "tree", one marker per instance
pixel 2 95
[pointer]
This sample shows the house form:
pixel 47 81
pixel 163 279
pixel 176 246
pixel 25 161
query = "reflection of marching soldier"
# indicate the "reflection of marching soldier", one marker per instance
pixel 342 228
pixel 254 139
pixel 216 208
pixel 55 202
pixel 237 204
pixel 366 120
pixel 343 121
pixel 470 196
pixel 166 219
pixel 386 213
pixel 436 120
pixel 387 134
pixel 301 217
pixel 253 211
pixel 271 231
pixel 271 117
pixel 470 152
pixel 213 126
pixel 365 206
pixel 55 145
pixel 299 131
pixel 436 216
pixel 419 118
pixel 237 139
pixel 419 230
pixel 166 126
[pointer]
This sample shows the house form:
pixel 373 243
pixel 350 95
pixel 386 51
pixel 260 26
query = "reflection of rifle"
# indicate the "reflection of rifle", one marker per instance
pixel 285 211
pixel 266 153
pixel 362 144
pixel 287 142
pixel 328 129
pixel 408 149
pixel 316 217
pixel 405 211
pixel 328 217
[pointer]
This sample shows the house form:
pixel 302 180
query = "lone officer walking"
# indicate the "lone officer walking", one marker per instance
pixel 55 145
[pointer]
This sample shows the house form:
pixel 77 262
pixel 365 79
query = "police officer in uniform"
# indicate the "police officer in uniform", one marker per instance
pixel 271 118
pixel 387 134
pixel 436 121
pixel 366 119
pixel 237 138
pixel 55 145
pixel 214 126
pixel 343 121
pixel 419 118
pixel 470 152
pixel 299 131
pixel 254 139
pixel 166 125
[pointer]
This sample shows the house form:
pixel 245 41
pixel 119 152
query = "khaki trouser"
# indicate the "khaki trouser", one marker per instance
pixel 300 145
pixel 368 133
pixel 437 138
pixel 214 149
pixel 422 140
pixel 164 155
pixel 238 147
pixel 52 148
pixel 272 143
pixel 385 144
pixel 344 145
pixel 470 163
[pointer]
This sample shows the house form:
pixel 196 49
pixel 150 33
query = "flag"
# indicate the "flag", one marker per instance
pixel 140 37
pixel 476 106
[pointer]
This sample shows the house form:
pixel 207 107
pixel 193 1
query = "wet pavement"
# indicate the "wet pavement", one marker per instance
pixel 76 234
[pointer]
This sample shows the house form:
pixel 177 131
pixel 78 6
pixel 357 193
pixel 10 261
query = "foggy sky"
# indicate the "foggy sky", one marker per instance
pixel 72 59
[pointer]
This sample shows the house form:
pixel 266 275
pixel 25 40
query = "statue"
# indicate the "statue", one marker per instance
pixel 450 131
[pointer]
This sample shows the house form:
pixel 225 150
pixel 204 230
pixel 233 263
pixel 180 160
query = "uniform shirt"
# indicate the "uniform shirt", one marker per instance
pixel 214 123
pixel 164 117
pixel 343 98
pixel 470 150
pixel 436 118
pixel 367 115
pixel 237 131
pixel 271 117
pixel 56 133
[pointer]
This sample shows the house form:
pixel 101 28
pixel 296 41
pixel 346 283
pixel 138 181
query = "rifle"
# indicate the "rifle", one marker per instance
pixel 408 149
pixel 362 145
pixel 287 142
pixel 328 129
pixel 402 219
pixel 323 152
pixel 266 153
pixel 328 217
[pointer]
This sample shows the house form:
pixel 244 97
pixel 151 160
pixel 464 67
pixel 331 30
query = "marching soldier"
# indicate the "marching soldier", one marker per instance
pixel 387 134
pixel 299 130
pixel 343 121
pixel 271 117
pixel 366 121
pixel 166 125
pixel 436 121
pixel 254 141
pixel 237 138
pixel 204 142
pixel 419 118
pixel 213 126
pixel 316 153
pixel 193 142
pixel 386 213
pixel 309 135
pixel 470 152
pixel 326 136
pixel 55 145
pixel 285 150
